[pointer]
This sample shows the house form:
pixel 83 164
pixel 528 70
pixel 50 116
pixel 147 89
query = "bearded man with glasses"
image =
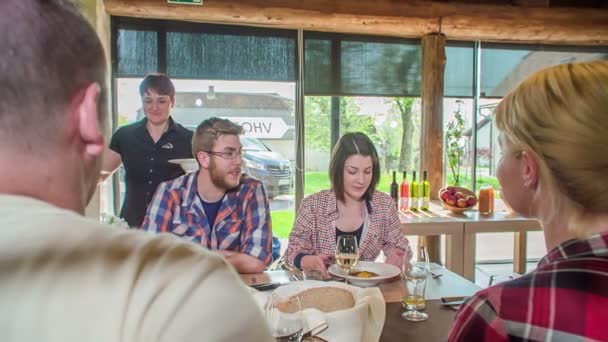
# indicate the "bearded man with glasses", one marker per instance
pixel 217 207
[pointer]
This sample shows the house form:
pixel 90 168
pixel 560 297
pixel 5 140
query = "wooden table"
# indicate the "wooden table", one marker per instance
pixel 437 327
pixel 438 222
pixel 461 230
pixel 497 222
pixel 396 328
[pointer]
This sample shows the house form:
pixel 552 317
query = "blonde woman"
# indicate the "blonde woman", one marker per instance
pixel 554 167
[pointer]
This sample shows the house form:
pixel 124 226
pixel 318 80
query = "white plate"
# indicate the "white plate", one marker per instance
pixel 386 272
pixel 188 164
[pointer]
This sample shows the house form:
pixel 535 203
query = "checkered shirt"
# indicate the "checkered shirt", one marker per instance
pixel 242 223
pixel 564 299
pixel 314 231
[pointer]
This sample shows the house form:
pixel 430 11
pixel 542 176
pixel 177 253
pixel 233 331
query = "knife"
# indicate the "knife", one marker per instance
pixel 453 301
pixel 266 286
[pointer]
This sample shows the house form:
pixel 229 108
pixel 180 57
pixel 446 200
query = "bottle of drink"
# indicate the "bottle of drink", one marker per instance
pixel 395 190
pixel 485 200
pixel 425 201
pixel 405 193
pixel 414 193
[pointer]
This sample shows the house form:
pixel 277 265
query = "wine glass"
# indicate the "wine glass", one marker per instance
pixel 415 273
pixel 284 318
pixel 347 253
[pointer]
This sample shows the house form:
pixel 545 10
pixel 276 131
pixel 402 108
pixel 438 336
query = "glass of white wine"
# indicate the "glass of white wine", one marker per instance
pixel 284 318
pixel 415 273
pixel 347 253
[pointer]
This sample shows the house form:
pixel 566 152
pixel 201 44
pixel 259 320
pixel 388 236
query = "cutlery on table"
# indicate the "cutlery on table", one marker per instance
pixel 453 301
pixel 435 275
pixel 266 286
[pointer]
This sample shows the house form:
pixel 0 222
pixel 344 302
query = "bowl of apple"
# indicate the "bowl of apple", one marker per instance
pixel 457 199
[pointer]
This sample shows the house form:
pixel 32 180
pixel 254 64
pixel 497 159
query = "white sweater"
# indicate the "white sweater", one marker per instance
pixel 66 278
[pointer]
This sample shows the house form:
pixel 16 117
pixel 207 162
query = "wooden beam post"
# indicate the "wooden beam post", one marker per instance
pixel 433 67
pixel 431 159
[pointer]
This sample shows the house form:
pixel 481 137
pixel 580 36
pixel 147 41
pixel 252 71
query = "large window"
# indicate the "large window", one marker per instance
pixel 383 119
pixel 244 74
pixel 501 68
pixel 366 84
pixel 477 76
pixel 458 109
pixel 352 83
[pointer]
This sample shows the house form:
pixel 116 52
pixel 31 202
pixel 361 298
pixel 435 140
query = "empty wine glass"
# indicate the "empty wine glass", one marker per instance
pixel 415 273
pixel 284 318
pixel 347 253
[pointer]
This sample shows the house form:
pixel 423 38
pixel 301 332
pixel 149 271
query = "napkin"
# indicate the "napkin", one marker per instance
pixel 363 322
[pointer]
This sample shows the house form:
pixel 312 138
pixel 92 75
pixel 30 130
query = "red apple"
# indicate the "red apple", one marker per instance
pixel 444 195
pixel 459 195
pixel 471 201
pixel 451 189
pixel 462 203
pixel 451 200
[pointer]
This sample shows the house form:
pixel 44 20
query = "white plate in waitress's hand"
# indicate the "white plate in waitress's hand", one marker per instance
pixel 187 164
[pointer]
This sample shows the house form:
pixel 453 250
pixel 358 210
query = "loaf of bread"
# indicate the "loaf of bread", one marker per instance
pixel 326 299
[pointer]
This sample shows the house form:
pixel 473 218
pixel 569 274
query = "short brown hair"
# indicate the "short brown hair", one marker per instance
pixel 209 131
pixel 48 53
pixel 160 83
pixel 348 145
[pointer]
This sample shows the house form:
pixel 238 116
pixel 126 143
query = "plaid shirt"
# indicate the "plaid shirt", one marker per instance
pixel 314 231
pixel 242 223
pixel 564 299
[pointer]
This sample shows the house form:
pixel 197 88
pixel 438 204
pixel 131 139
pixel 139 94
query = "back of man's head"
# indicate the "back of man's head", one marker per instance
pixel 48 54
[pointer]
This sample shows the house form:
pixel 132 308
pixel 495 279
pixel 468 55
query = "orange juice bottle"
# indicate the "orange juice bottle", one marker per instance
pixel 486 199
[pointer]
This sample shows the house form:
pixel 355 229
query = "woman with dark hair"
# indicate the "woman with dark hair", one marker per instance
pixel 351 207
pixel 146 146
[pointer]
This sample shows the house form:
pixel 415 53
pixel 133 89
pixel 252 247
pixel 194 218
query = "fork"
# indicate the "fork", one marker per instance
pixel 435 275
pixel 315 331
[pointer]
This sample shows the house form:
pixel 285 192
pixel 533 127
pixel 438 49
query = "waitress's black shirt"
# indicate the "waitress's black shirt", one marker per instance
pixel 146 163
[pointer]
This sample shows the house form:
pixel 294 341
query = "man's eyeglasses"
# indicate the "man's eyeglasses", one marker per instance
pixel 227 155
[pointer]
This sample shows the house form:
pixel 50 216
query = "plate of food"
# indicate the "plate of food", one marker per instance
pixel 367 273
pixel 187 164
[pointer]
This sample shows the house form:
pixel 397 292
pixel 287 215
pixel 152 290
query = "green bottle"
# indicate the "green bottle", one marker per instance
pixel 414 193
pixel 426 192
pixel 395 190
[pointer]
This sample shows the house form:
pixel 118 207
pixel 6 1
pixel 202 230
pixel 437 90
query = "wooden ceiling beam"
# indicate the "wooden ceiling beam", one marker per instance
pixel 458 21
pixel 532 3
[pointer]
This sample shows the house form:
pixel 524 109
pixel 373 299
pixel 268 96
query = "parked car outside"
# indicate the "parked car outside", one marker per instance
pixel 269 167
pixel 260 162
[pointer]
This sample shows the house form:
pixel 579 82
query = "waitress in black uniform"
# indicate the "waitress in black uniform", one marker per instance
pixel 146 146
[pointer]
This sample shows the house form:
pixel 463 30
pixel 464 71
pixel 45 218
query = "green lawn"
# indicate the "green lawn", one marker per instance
pixel 282 220
pixel 317 181
pixel 480 181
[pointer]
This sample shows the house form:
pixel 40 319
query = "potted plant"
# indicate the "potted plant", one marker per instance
pixel 455 143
